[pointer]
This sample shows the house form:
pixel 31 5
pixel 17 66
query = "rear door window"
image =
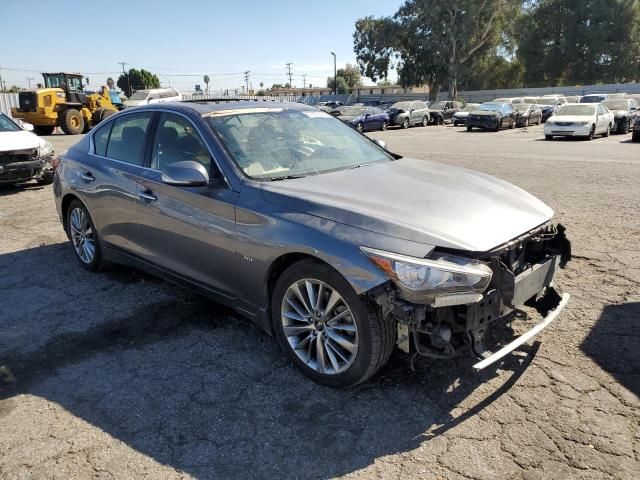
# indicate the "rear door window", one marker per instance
pixel 127 140
pixel 101 138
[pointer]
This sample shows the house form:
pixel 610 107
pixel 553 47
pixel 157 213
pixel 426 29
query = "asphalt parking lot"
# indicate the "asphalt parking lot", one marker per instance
pixel 119 375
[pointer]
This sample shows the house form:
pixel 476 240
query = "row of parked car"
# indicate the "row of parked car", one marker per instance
pixel 585 116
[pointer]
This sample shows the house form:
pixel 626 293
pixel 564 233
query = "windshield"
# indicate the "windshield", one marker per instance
pixel 616 104
pixel 530 100
pixel 586 110
pixel 139 95
pixel 7 125
pixel 274 142
pixel 437 105
pixel 592 99
pixel 545 101
pixel 402 105
pixel 353 111
pixel 521 107
pixel 468 108
pixel 490 107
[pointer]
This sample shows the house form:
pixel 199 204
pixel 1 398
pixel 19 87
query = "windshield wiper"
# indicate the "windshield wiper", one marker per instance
pixel 362 165
pixel 284 177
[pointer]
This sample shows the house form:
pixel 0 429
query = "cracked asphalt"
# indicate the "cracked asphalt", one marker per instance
pixel 120 375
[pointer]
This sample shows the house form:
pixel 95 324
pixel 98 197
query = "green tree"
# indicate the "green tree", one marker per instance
pixel 432 41
pixel 569 42
pixel 351 74
pixel 206 82
pixel 137 80
pixel 343 85
pixel 384 83
pixel 14 89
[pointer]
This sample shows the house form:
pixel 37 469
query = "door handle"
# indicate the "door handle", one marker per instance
pixel 87 177
pixel 147 196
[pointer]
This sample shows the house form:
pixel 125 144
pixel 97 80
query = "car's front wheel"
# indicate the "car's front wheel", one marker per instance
pixel 360 127
pixel 405 123
pixel 326 329
pixel 425 121
pixel 384 126
pixel 83 236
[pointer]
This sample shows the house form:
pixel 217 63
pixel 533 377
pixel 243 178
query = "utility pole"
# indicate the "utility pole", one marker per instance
pixel 289 69
pixel 304 80
pixel 28 79
pixel 246 79
pixel 2 85
pixel 335 75
pixel 128 79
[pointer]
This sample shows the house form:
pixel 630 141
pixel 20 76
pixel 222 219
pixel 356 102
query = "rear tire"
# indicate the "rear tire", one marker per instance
pixel 469 128
pixel 384 126
pixel 43 129
pixel 71 122
pixel 548 137
pixel 635 137
pixel 374 336
pixel 405 123
pixel 81 230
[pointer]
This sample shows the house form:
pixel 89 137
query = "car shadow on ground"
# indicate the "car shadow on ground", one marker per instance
pixel 8 189
pixel 188 383
pixel 614 344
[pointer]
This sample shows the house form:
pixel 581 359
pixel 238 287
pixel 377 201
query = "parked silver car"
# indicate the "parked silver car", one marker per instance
pixel 336 246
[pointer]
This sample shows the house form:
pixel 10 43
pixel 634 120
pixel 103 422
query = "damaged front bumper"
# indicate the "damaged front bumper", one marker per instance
pixel 523 274
pixel 22 165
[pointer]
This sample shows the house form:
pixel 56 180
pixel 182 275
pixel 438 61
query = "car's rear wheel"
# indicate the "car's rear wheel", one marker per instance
pixel 607 132
pixel 635 137
pixel 360 127
pixel 326 329
pixel 385 124
pixel 425 121
pixel 83 236
pixel 626 127
pixel 469 127
pixel 548 137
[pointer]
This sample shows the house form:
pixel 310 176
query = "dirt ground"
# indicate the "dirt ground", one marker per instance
pixel 119 375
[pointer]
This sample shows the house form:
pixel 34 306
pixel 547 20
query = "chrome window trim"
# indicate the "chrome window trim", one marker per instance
pixel 153 111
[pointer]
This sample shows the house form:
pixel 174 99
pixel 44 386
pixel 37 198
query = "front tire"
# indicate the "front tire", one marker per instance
pixel 592 132
pixel 469 128
pixel 425 121
pixel 607 132
pixel 84 237
pixel 384 125
pixel 332 335
pixel 635 137
pixel 405 123
pixel 71 122
pixel 360 127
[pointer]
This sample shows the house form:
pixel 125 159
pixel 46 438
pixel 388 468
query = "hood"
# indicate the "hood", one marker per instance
pixel 417 200
pixel 21 140
pixel 349 118
pixel 483 113
pixel 461 114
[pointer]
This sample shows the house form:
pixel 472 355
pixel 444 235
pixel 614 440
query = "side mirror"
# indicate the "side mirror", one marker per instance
pixel 381 143
pixel 185 174
pixel 366 115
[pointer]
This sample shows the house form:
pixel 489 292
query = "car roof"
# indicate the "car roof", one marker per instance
pixel 202 107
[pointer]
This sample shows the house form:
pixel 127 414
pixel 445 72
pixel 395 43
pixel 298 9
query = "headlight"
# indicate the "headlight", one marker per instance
pixel 422 279
pixel 580 124
pixel 45 149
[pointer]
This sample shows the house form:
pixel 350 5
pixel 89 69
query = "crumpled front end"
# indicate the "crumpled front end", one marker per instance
pixel 522 273
pixel 22 165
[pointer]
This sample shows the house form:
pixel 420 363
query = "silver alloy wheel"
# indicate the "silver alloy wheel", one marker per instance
pixel 82 235
pixel 319 326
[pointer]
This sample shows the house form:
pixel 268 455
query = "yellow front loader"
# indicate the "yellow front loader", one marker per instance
pixel 62 102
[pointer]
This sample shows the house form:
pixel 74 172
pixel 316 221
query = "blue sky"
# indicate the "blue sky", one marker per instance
pixel 174 38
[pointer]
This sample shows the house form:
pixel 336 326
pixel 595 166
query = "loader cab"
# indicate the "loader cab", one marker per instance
pixel 69 82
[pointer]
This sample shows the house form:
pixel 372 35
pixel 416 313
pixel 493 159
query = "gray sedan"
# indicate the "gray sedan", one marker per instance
pixel 339 248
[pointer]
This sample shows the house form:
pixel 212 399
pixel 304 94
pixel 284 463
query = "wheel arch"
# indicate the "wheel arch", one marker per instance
pixel 64 207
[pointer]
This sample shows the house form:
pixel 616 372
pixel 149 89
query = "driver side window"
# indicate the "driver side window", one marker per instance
pixel 176 140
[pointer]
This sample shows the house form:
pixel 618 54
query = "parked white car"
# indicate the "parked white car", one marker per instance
pixel 23 155
pixel 579 120
pixel 154 95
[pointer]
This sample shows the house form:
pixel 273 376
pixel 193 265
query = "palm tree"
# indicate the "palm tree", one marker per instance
pixel 206 81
